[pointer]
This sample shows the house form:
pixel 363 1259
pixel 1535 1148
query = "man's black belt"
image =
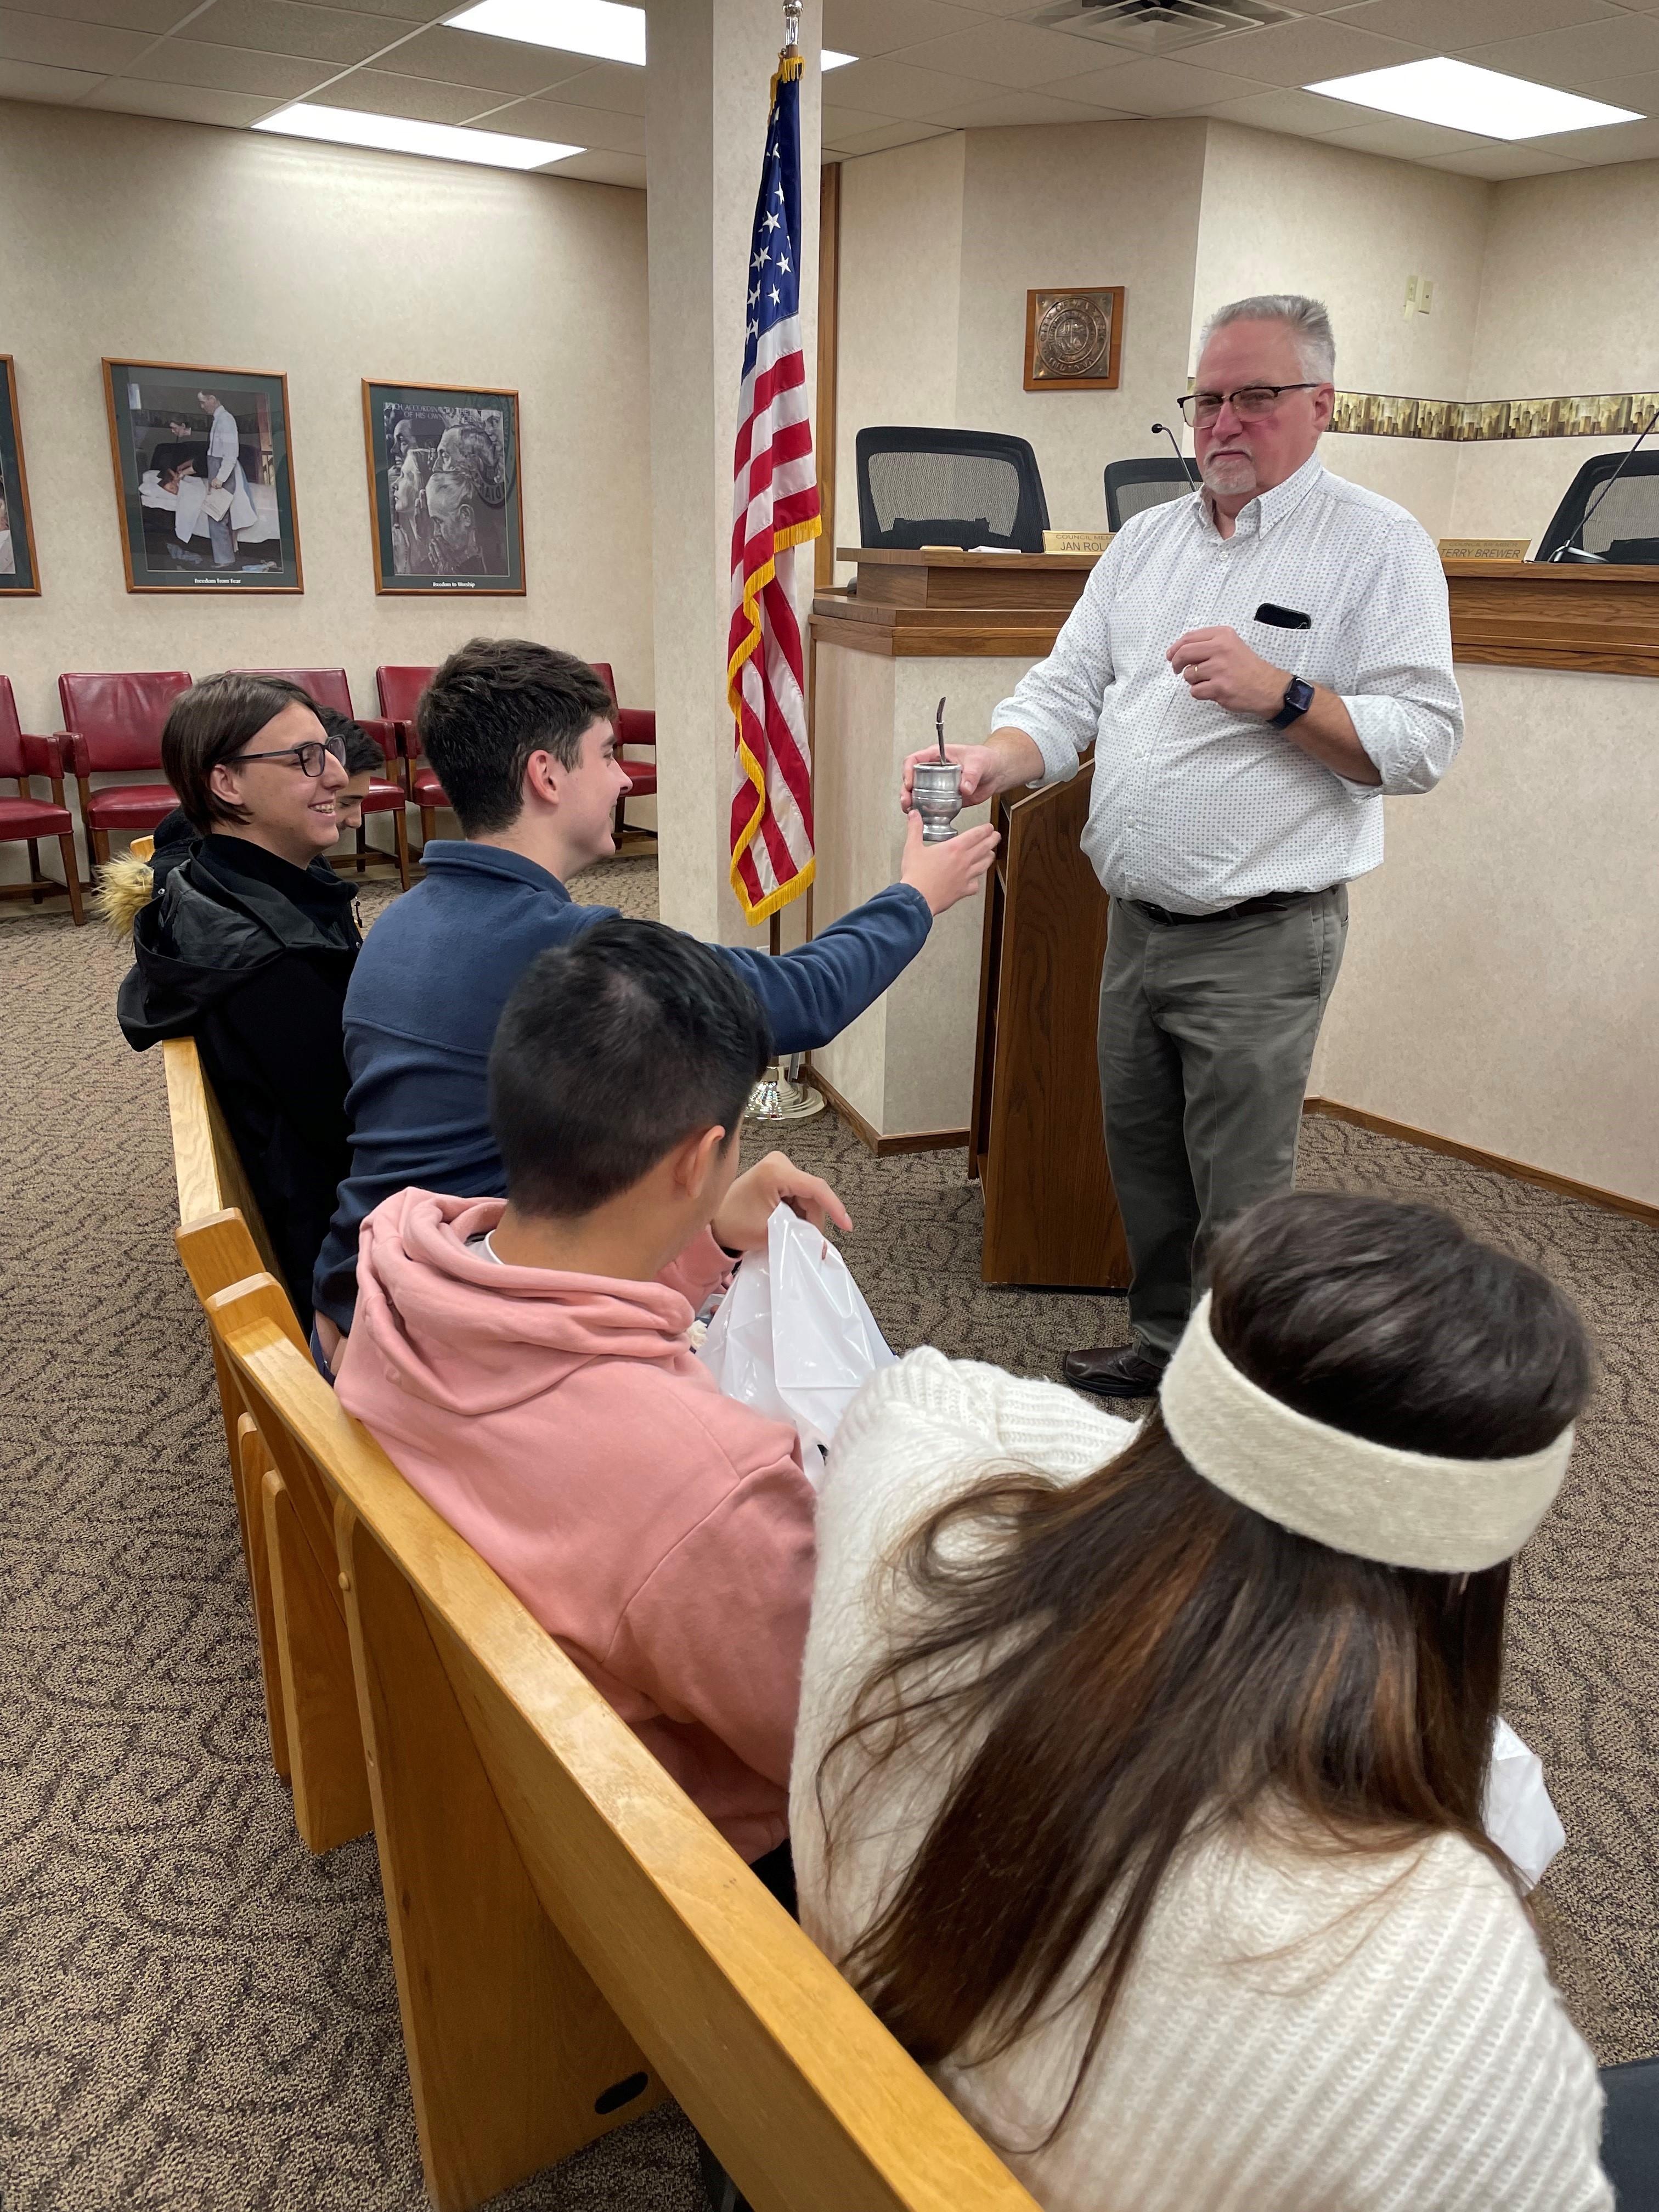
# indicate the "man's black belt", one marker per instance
pixel 1269 902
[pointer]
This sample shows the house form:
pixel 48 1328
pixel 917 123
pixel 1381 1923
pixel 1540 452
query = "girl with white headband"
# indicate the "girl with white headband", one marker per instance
pixel 1139 1777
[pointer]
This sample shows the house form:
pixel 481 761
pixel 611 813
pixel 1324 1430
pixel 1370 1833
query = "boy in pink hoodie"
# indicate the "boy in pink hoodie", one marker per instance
pixel 524 1362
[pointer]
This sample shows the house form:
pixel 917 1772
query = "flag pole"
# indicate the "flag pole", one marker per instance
pixel 780 1096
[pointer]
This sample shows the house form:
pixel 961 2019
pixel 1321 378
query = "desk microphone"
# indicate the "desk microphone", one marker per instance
pixel 1179 455
pixel 1566 551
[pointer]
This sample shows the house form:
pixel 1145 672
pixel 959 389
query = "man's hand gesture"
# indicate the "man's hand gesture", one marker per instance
pixel 1217 664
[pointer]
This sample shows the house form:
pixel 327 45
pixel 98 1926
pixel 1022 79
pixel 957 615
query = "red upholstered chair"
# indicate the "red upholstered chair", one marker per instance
pixel 112 723
pixel 387 794
pixel 636 732
pixel 27 819
pixel 400 690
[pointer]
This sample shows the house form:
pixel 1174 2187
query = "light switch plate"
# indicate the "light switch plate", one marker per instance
pixel 1411 295
pixel 1426 297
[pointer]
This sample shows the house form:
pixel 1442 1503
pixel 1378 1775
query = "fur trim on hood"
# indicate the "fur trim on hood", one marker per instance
pixel 125 888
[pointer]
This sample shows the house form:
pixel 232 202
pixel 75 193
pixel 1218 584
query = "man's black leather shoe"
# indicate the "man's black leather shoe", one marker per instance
pixel 1114 1370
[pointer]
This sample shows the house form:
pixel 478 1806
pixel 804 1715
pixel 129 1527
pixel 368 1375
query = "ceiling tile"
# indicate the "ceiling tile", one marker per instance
pixel 570 126
pixel 181 103
pixel 1619 141
pixel 412 11
pixel 894 89
pixel 880 26
pixel 1448 26
pixel 66 45
pixel 1301 53
pixel 31 80
pixel 1004 111
pixel 599 169
pixel 1155 88
pixel 226 68
pixel 891 134
pixel 383 92
pixel 154 16
pixel 1622 47
pixel 339 35
pixel 1499 163
pixel 616 85
pixel 839 123
pixel 493 64
pixel 1007 54
pixel 1403 140
pixel 1304 114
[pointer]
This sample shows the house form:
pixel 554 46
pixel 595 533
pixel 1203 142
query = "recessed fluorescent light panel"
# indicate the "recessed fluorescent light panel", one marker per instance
pixel 829 59
pixel 395 134
pixel 1461 97
pixel 602 28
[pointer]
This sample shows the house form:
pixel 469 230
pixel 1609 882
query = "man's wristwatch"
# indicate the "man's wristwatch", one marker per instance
pixel 1298 697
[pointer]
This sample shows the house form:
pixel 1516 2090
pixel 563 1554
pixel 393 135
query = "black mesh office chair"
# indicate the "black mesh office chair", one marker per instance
pixel 949 488
pixel 1624 527
pixel 1132 485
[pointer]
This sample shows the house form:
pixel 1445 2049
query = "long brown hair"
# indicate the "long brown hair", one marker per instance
pixel 1111 1668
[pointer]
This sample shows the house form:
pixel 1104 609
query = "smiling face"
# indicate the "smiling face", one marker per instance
pixel 1238 457
pixel 348 806
pixel 588 794
pixel 290 813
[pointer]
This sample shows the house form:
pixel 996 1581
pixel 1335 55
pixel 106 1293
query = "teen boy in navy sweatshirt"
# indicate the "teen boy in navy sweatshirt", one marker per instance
pixel 520 737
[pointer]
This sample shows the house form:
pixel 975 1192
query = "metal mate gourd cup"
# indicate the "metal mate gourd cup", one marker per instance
pixel 936 790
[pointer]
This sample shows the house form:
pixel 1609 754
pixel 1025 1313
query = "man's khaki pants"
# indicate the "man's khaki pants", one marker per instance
pixel 1206 1035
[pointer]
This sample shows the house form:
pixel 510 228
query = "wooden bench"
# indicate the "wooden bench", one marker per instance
pixel 572 1938
pixel 288 1537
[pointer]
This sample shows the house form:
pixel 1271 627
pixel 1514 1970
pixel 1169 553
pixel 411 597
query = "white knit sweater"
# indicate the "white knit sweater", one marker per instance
pixel 1299 2033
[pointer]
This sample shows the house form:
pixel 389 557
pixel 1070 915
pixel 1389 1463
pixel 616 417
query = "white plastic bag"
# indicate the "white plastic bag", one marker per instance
pixel 792 1337
pixel 1518 1814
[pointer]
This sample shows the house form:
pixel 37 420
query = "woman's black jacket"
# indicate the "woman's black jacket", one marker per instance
pixel 251 955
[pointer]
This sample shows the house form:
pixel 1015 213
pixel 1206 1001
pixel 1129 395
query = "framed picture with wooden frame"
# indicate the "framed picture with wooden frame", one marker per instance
pixel 443 489
pixel 203 477
pixel 20 573
pixel 1074 339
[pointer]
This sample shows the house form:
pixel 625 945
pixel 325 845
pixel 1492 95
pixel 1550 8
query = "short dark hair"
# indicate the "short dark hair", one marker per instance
pixel 209 723
pixel 362 755
pixel 610 1051
pixel 493 704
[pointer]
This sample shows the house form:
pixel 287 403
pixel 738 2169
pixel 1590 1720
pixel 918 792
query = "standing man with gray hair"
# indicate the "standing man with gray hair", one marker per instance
pixel 1255 666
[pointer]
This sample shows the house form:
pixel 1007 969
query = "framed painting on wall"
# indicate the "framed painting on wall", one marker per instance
pixel 443 489
pixel 203 477
pixel 1074 339
pixel 20 576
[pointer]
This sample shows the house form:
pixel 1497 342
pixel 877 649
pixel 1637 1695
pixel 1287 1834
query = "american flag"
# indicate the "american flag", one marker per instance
pixel 774 508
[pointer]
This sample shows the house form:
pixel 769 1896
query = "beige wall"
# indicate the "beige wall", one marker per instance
pixel 900 302
pixel 1566 305
pixel 1288 215
pixel 1089 203
pixel 158 241
pixel 1501 983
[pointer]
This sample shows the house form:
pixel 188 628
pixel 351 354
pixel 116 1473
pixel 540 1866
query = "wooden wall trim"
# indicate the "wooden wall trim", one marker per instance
pixel 1528 614
pixel 828 373
pixel 1612 1201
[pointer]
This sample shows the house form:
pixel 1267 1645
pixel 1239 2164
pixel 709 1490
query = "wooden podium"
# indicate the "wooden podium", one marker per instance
pixel 1036 1145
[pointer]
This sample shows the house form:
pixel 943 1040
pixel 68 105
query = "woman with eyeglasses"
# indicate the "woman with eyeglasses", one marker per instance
pixel 249 944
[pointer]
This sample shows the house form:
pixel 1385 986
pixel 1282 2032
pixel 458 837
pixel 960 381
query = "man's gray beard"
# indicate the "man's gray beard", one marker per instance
pixel 1229 462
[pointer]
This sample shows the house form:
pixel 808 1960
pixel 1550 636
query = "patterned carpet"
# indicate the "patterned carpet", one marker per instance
pixel 197 2016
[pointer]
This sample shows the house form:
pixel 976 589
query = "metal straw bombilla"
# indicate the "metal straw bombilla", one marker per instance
pixel 936 790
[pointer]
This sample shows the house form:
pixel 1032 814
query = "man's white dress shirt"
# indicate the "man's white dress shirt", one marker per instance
pixel 1194 805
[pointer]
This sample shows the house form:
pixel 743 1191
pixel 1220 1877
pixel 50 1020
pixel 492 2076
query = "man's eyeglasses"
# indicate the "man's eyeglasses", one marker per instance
pixel 1252 403
pixel 309 755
